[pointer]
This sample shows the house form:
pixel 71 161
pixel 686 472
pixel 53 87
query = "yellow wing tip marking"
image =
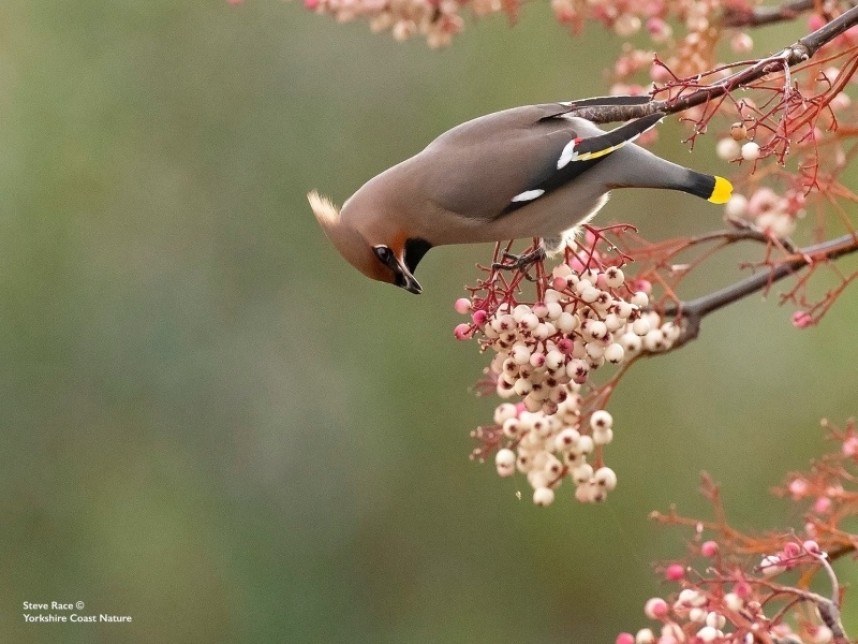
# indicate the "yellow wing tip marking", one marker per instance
pixel 599 153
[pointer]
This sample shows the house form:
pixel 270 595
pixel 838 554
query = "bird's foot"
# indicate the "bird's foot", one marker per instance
pixel 513 262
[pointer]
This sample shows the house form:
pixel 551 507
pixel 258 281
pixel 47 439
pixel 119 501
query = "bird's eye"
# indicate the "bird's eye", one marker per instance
pixel 384 254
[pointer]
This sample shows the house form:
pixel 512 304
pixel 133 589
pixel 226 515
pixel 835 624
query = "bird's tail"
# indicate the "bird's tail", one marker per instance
pixel 712 188
pixel 635 167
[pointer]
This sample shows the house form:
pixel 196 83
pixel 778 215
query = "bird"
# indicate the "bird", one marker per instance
pixel 535 171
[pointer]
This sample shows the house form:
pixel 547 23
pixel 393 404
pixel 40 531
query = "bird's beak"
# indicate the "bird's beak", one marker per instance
pixel 406 280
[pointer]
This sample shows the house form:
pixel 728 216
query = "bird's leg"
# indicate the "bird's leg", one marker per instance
pixel 521 262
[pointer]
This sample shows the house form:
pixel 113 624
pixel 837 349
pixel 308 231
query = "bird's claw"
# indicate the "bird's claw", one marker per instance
pixel 520 262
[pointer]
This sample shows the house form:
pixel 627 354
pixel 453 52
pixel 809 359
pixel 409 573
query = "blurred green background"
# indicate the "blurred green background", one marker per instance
pixel 211 423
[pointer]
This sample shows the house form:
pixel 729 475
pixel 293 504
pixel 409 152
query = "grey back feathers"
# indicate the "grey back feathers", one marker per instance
pixel 532 171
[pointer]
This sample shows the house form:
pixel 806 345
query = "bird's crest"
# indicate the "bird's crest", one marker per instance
pixel 345 237
pixel 325 210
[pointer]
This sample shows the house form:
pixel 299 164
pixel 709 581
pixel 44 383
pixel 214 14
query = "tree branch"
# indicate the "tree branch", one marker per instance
pixel 760 16
pixel 829 610
pixel 799 52
pixel 693 312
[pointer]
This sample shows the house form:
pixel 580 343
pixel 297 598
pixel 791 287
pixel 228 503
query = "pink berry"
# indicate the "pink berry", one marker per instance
pixel 709 549
pixel 462 305
pixel 850 446
pixel 559 283
pixel 791 550
pixel 797 488
pixel 565 346
pixel 659 74
pixel 742 589
pixel 656 608
pixel 625 638
pixel 802 319
pixel 479 317
pixel 462 331
pixel 564 14
pixel 741 42
pixel 655 25
pixel 812 547
pixel 674 572
pixel 816 22
pixel 822 505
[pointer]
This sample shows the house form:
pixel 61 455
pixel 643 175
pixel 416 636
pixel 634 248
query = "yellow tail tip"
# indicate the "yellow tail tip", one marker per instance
pixel 722 191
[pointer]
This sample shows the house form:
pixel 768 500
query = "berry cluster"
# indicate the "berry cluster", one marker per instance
pixel 548 447
pixel 737 611
pixel 771 213
pixel 796 114
pixel 544 354
pixel 756 588
pixel 829 489
pixel 728 606
pixel 436 20
pixel 700 26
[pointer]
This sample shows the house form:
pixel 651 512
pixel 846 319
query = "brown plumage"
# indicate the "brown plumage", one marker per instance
pixel 533 171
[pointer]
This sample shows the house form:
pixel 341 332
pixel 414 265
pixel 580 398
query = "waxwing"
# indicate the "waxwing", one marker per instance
pixel 532 171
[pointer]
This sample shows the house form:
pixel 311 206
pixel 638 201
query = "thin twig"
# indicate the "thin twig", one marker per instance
pixel 760 16
pixel 795 54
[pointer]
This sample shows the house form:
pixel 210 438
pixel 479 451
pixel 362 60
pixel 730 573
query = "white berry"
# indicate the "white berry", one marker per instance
pixel 751 151
pixel 543 496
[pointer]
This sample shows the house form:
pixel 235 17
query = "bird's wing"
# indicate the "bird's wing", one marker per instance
pixel 499 163
pixel 579 155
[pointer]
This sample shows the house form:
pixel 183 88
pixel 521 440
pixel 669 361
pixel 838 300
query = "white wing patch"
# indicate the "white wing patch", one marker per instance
pixel 567 155
pixel 529 195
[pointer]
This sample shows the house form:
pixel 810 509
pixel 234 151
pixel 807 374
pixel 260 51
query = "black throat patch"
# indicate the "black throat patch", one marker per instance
pixel 415 249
